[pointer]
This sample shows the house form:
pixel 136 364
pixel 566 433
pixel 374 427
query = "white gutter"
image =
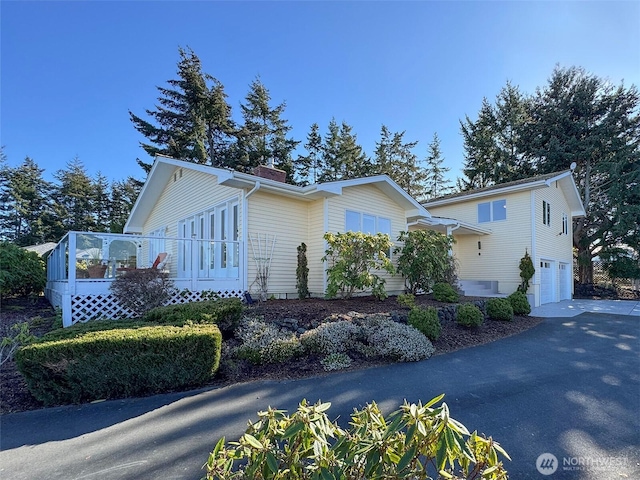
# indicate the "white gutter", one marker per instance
pixel 245 234
pixel 253 190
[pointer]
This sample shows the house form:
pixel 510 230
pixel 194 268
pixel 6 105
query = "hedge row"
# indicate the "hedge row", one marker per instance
pixel 123 361
pixel 226 313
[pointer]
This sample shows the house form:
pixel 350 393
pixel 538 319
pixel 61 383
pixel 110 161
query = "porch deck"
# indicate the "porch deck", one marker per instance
pixel 83 265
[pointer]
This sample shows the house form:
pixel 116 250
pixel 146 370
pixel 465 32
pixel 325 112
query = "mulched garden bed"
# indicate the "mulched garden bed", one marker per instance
pixel 14 396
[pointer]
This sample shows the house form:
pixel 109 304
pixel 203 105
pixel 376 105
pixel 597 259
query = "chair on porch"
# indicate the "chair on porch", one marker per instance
pixel 159 264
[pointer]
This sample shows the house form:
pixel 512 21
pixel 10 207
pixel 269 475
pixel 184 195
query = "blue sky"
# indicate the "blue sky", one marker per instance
pixel 71 71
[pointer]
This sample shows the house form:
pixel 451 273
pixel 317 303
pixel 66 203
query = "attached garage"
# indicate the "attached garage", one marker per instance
pixel 565 281
pixel 547 287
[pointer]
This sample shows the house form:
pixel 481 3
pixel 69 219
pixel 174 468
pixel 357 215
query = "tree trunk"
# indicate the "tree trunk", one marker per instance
pixel 585 266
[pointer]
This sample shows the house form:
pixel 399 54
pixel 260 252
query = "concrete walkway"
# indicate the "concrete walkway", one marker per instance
pixel 568 387
pixel 571 308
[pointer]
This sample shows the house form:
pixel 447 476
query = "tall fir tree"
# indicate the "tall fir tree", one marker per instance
pixel 192 120
pixel 74 199
pixel 394 157
pixel 263 137
pixel 579 117
pixel 309 166
pixel 355 162
pixel 437 183
pixel 331 154
pixel 24 195
pixel 101 202
pixel 123 196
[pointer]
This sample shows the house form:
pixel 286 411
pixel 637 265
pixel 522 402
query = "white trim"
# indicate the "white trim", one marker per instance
pixel 533 245
pixel 324 243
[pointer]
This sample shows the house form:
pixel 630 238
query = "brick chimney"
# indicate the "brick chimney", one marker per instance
pixel 270 173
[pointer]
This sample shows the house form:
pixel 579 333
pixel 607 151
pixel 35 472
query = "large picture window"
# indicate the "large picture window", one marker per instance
pixel 366 223
pixel 492 211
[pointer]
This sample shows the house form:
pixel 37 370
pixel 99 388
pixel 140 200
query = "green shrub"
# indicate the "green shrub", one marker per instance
pixel 407 443
pixel 302 272
pixel 142 290
pixel 331 337
pixel 396 341
pixel 527 270
pixel 469 315
pixel 263 342
pixel 22 273
pixel 406 300
pixel 426 321
pixel 443 292
pixel 424 259
pixel 225 312
pixel 336 361
pixel 519 303
pixel 499 309
pixel 353 260
pixel 119 362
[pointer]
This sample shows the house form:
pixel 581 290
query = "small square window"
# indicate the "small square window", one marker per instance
pixel 484 212
pixel 499 210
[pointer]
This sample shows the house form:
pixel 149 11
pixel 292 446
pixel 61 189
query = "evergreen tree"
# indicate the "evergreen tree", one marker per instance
pixel 263 137
pixel 24 194
pixel 123 196
pixel 394 157
pixel 480 149
pixel 192 120
pixel 101 202
pixel 355 162
pixel 579 117
pixel 309 167
pixel 74 199
pixel 437 183
pixel 331 154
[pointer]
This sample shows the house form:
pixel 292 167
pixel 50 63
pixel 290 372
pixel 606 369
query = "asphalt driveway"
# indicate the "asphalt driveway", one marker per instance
pixel 569 387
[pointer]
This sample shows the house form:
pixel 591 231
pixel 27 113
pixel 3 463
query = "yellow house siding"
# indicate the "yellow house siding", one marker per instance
pixel 500 253
pixel 370 200
pixel 190 193
pixel 552 245
pixel 287 219
pixel 315 248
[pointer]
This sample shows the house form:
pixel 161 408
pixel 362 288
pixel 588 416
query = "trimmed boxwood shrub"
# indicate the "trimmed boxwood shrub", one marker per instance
pixel 443 292
pixel 225 312
pixel 519 303
pixel 469 315
pixel 22 272
pixel 119 362
pixel 426 320
pixel 499 309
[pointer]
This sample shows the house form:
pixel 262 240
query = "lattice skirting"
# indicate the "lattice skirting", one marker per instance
pixel 100 306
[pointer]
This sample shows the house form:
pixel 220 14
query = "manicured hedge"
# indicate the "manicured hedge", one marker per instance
pixel 119 362
pixel 225 312
pixel 499 309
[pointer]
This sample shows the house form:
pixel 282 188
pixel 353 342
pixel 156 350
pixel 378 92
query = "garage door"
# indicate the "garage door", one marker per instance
pixel 565 281
pixel 546 282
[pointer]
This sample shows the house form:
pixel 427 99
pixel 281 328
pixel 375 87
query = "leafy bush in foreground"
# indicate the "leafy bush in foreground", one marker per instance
pixel 22 273
pixel 443 292
pixel 468 315
pixel 416 441
pixel 225 312
pixel 426 321
pixel 519 303
pixel 499 309
pixel 119 362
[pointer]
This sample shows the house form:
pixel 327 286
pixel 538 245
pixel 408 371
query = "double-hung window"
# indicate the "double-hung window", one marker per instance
pixel 565 224
pixel 546 213
pixel 492 211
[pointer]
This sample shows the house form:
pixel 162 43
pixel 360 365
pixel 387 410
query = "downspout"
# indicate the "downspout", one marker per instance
pixel 535 279
pixel 450 231
pixel 245 235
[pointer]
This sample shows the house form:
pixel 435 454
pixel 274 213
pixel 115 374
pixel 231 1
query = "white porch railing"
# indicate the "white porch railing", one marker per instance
pixel 82 266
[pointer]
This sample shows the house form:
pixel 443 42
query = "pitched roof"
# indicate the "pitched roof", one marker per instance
pixel 163 169
pixel 564 179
